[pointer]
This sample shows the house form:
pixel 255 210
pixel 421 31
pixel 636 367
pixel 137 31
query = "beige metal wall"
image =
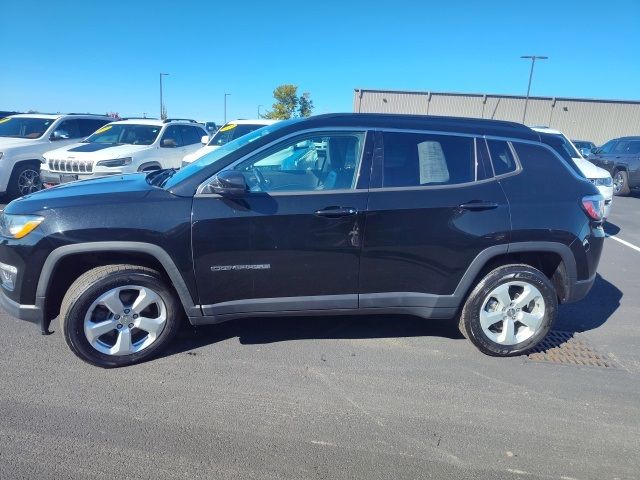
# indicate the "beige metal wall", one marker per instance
pixel 580 119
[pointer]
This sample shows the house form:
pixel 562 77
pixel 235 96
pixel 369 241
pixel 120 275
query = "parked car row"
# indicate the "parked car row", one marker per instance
pixel 48 149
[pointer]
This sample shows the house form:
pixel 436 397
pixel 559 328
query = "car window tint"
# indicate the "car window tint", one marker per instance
pixel 69 129
pixel 501 157
pixel 88 125
pixel 191 135
pixel 621 146
pixel 309 163
pixel 607 147
pixel 171 137
pixel 416 159
pixel 633 148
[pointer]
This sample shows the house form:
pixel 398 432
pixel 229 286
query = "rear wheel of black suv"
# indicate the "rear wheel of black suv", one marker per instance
pixel 509 311
pixel 118 315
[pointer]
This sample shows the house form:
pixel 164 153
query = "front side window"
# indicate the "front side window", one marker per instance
pixel 68 129
pixel 191 135
pixel 125 133
pixel 416 159
pixel 607 147
pixel 310 163
pixel 231 131
pixel 24 127
pixel 501 157
pixel 172 137
pixel 621 147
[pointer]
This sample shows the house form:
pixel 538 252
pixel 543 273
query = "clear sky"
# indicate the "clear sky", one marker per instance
pixel 98 56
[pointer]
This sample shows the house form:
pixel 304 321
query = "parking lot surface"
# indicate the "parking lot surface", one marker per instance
pixel 364 397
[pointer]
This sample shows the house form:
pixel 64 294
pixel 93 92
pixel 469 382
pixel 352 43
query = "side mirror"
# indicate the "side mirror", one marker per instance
pixel 60 135
pixel 229 183
pixel 204 140
pixel 169 143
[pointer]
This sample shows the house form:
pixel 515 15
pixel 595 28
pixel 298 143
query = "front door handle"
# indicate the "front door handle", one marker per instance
pixel 478 205
pixel 336 212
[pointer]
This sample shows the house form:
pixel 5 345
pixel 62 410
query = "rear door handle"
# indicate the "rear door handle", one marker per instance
pixel 478 205
pixel 336 212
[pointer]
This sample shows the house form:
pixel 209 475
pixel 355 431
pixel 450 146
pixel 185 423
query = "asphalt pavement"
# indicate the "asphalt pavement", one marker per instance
pixel 365 397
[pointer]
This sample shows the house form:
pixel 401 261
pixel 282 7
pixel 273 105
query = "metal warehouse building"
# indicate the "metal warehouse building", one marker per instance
pixel 579 118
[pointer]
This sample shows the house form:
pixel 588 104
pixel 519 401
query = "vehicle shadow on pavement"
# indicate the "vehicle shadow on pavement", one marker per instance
pixel 591 312
pixel 251 331
pixel 611 228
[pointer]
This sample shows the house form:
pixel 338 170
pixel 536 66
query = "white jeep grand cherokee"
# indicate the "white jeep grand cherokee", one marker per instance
pixel 24 138
pixel 125 146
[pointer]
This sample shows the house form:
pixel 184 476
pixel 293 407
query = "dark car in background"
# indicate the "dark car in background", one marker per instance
pixel 584 147
pixel 621 157
pixel 443 218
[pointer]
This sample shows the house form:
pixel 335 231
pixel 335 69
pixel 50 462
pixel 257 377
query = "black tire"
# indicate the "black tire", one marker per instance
pixel 94 283
pixel 24 179
pixel 621 183
pixel 470 316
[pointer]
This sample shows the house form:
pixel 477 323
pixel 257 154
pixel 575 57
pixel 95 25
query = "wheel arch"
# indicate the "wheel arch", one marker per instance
pixel 146 165
pixel 69 260
pixel 555 260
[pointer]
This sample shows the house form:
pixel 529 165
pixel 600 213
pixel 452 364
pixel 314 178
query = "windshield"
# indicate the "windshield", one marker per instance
pixel 24 127
pixel 219 153
pixel 125 133
pixel 230 132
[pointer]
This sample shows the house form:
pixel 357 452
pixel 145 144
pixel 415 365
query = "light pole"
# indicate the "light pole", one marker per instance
pixel 533 62
pixel 225 106
pixel 259 110
pixel 161 104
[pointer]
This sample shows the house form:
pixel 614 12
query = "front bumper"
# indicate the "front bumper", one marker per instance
pixel 49 178
pixel 29 313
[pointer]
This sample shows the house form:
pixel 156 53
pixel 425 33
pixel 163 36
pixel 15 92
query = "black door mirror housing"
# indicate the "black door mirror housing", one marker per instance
pixel 229 183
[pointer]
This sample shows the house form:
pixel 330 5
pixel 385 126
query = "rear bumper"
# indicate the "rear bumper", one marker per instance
pixel 29 313
pixel 579 289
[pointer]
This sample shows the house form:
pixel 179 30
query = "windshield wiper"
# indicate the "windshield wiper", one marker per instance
pixel 158 177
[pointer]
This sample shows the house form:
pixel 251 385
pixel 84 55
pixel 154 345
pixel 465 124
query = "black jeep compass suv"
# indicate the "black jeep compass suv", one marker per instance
pixel 438 217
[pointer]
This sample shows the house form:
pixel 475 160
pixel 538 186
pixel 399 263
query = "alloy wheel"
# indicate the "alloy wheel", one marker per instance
pixel 618 182
pixel 28 182
pixel 512 313
pixel 125 320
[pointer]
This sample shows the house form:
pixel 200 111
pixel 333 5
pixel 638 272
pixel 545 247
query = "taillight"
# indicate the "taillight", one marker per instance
pixel 593 205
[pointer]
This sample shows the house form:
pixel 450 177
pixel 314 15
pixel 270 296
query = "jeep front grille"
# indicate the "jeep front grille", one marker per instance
pixel 71 166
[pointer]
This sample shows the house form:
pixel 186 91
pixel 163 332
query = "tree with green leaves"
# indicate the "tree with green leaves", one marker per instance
pixel 288 104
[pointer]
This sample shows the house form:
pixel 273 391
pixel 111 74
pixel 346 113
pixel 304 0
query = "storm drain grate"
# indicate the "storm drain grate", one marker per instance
pixel 565 348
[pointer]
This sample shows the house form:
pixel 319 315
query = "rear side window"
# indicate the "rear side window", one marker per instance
pixel 540 160
pixel 501 157
pixel 416 159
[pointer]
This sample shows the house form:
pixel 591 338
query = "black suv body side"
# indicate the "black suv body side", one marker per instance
pixel 621 157
pixel 342 213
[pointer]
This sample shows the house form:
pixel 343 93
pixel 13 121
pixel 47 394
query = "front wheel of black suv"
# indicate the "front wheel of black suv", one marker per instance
pixel 509 311
pixel 118 315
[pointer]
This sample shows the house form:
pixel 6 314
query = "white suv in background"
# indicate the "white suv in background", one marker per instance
pixel 596 175
pixel 125 146
pixel 24 138
pixel 229 131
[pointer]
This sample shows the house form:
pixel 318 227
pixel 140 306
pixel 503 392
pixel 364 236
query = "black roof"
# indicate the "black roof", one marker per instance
pixel 424 122
pixel 632 137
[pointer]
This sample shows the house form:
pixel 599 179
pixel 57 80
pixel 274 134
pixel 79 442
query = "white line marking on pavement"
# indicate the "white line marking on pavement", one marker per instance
pixel 624 242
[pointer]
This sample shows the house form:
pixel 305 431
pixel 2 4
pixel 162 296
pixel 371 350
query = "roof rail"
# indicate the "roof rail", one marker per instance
pixel 94 114
pixel 179 120
pixel 137 118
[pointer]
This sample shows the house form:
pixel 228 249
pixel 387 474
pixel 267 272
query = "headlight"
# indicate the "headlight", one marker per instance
pixel 116 162
pixel 18 226
pixel 602 182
